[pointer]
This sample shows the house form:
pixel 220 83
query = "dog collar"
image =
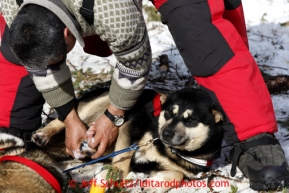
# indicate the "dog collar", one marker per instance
pixel 195 161
pixel 157 105
pixel 37 168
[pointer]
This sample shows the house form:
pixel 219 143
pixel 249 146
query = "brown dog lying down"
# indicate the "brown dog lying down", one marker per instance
pixel 185 123
pixel 26 172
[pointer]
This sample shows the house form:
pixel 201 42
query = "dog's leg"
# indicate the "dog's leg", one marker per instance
pixel 162 181
pixel 42 136
pixel 122 161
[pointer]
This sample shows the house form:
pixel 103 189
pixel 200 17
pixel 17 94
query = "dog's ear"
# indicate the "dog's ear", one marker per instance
pixel 218 116
pixel 217 112
pixel 163 98
pixel 162 90
pixel 163 93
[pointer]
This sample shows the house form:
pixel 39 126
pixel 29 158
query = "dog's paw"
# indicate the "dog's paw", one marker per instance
pixel 85 149
pixel 152 190
pixel 161 181
pixel 40 138
pixel 149 185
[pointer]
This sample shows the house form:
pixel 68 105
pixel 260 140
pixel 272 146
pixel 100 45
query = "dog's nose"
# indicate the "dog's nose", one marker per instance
pixel 167 135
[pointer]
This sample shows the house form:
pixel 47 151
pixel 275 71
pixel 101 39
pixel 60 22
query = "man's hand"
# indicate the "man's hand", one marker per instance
pixel 103 133
pixel 75 133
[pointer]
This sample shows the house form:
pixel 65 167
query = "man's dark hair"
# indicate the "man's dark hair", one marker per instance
pixel 36 37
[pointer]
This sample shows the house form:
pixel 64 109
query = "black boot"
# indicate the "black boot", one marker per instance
pixel 262 160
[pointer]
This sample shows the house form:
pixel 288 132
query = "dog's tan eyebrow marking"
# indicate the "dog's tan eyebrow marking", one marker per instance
pixel 187 113
pixel 176 109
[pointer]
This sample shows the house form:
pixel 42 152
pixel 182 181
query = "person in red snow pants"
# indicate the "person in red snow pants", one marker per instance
pixel 21 103
pixel 211 37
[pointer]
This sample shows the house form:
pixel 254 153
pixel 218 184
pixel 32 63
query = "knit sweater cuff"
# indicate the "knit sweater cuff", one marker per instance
pixel 55 84
pixel 61 95
pixel 123 98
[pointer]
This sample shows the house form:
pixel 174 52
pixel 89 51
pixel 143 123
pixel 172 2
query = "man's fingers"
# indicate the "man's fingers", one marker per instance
pixel 93 142
pixel 69 152
pixel 90 132
pixel 100 151
pixel 77 154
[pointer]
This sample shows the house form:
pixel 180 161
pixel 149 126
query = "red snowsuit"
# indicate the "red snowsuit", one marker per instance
pixel 211 37
pixel 21 103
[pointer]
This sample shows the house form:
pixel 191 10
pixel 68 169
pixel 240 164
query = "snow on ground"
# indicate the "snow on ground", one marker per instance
pixel 269 44
pixel 265 11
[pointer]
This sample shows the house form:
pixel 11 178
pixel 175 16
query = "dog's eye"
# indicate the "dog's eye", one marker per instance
pixel 171 111
pixel 168 114
pixel 191 118
pixel 191 121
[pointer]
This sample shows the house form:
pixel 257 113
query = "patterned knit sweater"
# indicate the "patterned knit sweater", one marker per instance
pixel 121 25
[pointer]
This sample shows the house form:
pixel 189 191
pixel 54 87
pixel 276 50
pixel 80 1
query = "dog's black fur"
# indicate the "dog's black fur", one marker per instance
pixel 144 121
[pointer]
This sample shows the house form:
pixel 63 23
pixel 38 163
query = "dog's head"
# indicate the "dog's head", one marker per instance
pixel 188 119
pixel 10 145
